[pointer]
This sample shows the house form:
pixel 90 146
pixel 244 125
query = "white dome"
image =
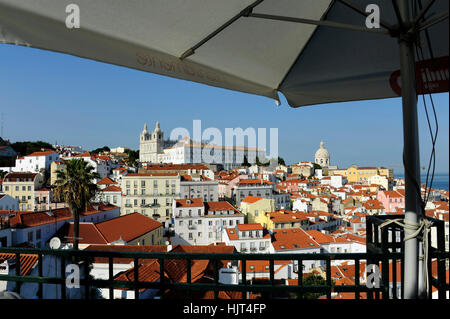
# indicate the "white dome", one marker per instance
pixel 322 154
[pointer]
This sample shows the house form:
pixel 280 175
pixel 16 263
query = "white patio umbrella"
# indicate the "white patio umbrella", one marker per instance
pixel 312 51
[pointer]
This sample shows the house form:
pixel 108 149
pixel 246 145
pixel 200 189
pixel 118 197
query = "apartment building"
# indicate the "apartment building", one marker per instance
pixel 201 223
pixel 248 238
pixel 200 186
pixel 22 187
pixel 252 207
pixel 150 194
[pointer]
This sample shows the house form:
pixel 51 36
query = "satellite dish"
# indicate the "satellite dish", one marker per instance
pixel 55 243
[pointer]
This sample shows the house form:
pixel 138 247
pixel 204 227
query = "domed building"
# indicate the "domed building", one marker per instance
pixel 322 156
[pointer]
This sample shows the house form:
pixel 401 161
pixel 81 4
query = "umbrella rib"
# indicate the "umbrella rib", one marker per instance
pixel 431 22
pixel 365 14
pixel 320 23
pixel 244 12
pixel 423 12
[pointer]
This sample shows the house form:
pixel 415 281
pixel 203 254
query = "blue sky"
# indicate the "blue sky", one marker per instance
pixel 55 97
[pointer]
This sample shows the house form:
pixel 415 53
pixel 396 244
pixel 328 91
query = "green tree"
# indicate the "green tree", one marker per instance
pixel 75 187
pixel 133 157
pixel 312 279
pixel 281 161
pixel 258 162
pixel 245 162
pixel 27 147
pixel 101 149
pixel 317 166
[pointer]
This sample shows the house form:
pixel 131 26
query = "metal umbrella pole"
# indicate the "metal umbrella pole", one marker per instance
pixel 413 278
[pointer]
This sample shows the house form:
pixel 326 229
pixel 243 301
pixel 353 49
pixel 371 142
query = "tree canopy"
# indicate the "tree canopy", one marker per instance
pixel 101 149
pixel 75 186
pixel 28 147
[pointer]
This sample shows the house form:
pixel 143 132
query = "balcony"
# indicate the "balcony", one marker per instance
pixel 380 251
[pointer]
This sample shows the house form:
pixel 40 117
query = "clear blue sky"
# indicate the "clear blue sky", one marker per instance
pixel 55 97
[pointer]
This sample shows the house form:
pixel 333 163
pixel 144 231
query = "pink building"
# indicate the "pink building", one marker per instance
pixel 227 183
pixel 392 199
pixel 44 200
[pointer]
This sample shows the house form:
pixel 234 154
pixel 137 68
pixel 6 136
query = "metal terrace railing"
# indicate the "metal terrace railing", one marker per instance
pixel 378 255
pixel 385 238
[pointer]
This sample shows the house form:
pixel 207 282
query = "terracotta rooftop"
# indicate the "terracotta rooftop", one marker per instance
pixel 127 227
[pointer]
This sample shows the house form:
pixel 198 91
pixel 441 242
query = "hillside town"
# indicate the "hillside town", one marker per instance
pixel 165 202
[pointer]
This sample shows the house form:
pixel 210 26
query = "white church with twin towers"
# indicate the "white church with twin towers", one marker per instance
pixel 186 151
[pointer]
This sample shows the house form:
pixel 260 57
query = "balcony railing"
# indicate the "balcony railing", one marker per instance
pixel 378 252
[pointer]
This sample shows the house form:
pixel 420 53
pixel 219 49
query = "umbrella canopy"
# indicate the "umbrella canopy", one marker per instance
pixel 312 51
pixel 257 47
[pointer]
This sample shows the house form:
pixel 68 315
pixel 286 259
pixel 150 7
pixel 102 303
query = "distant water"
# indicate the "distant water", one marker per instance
pixel 440 181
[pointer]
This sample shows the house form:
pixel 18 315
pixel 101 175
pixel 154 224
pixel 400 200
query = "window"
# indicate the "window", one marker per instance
pixel 190 235
pixel 199 222
pixel 30 236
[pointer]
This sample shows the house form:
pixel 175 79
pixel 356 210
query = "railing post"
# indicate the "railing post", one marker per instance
pixel 385 261
pixel 357 278
pixel 86 280
pixel 188 276
pixel 272 275
pixel 441 261
pixel 18 283
pixel 110 271
pixel 328 275
pixel 244 276
pixel 40 271
pixel 300 276
pixel 62 264
pixel 136 278
pixel 216 279
pixel 162 278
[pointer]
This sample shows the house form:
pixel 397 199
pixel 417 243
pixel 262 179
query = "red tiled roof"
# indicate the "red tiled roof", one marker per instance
pixel 45 153
pixel 189 202
pixel 324 238
pixel 220 205
pixel 294 238
pixel 27 261
pixel 19 177
pixel 251 199
pixel 252 226
pixel 112 188
pixel 88 234
pixel 127 227
pixel 106 181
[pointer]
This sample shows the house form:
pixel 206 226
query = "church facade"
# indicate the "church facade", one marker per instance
pixel 186 151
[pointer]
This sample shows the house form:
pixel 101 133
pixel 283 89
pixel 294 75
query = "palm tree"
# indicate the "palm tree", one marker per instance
pixel 75 186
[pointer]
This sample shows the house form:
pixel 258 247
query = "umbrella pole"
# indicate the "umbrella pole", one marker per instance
pixel 413 278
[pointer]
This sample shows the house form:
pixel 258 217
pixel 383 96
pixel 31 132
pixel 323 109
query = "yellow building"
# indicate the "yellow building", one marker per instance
pixel 253 207
pixel 56 166
pixel 21 186
pixel 362 174
pixel 283 219
pixel 150 194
